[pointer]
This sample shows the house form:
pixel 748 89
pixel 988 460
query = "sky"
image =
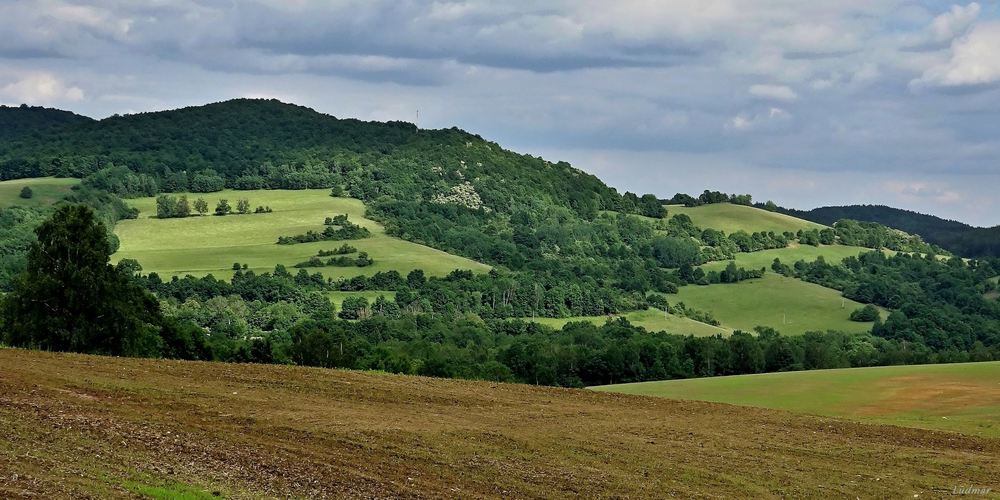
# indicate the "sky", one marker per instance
pixel 805 103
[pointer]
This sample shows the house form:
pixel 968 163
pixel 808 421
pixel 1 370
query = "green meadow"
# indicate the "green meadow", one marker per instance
pixel 202 245
pixel 790 305
pixel 338 297
pixel 962 397
pixel 46 191
pixel 833 254
pixel 731 218
pixel 650 319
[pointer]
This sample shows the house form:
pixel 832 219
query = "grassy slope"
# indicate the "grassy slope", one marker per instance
pixel 47 190
pixel 338 297
pixel 731 218
pixel 789 255
pixel 959 397
pixel 209 244
pixel 649 319
pixel 790 305
pixel 78 426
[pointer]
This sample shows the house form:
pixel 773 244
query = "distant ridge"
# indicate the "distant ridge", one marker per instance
pixel 958 237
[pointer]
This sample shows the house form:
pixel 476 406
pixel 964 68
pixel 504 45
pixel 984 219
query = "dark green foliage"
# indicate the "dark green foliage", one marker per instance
pixel 22 121
pixel 865 314
pixel 708 198
pixel 207 181
pixel 123 182
pixel 223 208
pixel 338 228
pixel 342 250
pixel 168 207
pixel 670 251
pixel 70 299
pixel 935 303
pixel 26 193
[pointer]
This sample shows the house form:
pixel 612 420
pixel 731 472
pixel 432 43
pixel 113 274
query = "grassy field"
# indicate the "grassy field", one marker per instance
pixel 209 244
pixel 789 255
pixel 650 319
pixel 79 426
pixel 959 397
pixel 338 297
pixel 790 305
pixel 731 218
pixel 47 190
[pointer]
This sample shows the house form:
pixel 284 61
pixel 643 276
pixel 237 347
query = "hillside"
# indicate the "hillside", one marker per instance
pixel 731 217
pixel 45 191
pixel 210 244
pixel 118 427
pixel 957 237
pixel 789 305
pixel 959 397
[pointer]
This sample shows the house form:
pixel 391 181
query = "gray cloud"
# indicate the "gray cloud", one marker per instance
pixel 833 95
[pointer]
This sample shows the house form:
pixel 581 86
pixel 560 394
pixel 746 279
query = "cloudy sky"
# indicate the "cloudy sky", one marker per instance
pixel 807 103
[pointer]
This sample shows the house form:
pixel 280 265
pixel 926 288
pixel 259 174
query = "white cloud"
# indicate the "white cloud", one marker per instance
pixel 776 92
pixel 40 88
pixel 767 118
pixel 974 60
pixel 953 23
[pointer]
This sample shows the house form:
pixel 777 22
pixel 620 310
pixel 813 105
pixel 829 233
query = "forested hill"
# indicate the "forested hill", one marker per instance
pixel 20 121
pixel 243 136
pixel 957 237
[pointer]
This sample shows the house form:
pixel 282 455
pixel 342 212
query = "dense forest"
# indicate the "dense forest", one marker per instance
pixel 561 242
pixel 957 237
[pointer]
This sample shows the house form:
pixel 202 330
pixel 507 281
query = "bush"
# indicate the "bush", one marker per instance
pixel 865 314
pixel 26 193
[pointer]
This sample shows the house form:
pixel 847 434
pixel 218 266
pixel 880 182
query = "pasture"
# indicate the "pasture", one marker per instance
pixel 961 397
pixel 731 218
pixel 789 305
pixel 833 254
pixel 337 297
pixel 650 319
pixel 209 244
pixel 46 191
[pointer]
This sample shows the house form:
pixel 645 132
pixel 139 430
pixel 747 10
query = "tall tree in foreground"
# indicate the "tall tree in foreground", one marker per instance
pixel 70 299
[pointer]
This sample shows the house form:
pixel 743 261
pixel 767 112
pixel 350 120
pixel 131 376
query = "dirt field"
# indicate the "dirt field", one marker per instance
pixel 79 426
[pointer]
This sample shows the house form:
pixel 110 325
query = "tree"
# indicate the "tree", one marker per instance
pixel 201 206
pixel 70 299
pixel 165 206
pixel 354 307
pixel 223 208
pixel 183 208
pixel 243 206
pixel 865 314
pixel 26 193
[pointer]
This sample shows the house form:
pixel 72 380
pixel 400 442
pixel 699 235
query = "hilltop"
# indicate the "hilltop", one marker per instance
pixel 117 427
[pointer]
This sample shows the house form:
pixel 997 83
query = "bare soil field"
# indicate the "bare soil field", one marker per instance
pixel 87 426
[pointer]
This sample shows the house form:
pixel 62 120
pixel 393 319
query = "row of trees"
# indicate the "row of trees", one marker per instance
pixel 175 207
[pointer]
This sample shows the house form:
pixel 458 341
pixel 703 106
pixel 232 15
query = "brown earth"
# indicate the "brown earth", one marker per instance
pixel 86 426
pixel 931 395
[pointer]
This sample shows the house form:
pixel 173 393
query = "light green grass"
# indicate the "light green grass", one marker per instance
pixel 210 244
pixel 46 190
pixel 650 319
pixel 731 218
pixel 958 397
pixel 790 305
pixel 833 254
pixel 338 297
